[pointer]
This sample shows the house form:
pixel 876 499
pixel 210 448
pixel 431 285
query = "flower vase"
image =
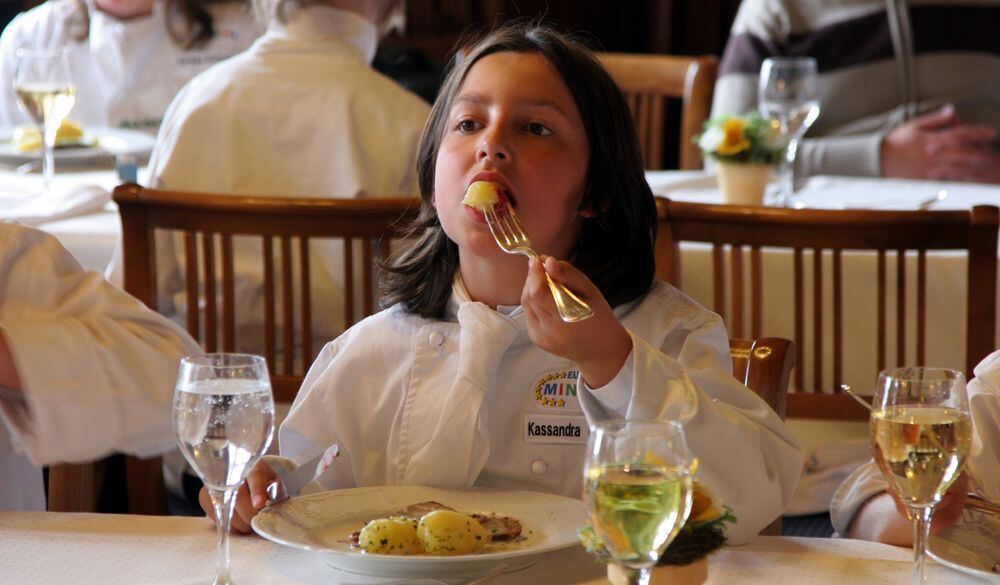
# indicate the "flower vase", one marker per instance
pixel 695 573
pixel 743 184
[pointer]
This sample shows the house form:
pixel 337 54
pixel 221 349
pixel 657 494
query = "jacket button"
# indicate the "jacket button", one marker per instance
pixel 539 467
pixel 435 339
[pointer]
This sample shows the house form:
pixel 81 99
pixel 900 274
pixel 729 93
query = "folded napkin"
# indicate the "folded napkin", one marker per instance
pixel 57 203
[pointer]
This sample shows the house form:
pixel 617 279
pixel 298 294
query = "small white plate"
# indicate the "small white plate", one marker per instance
pixel 97 143
pixel 972 545
pixel 323 522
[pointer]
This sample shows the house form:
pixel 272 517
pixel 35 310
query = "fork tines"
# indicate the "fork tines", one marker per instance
pixel 507 229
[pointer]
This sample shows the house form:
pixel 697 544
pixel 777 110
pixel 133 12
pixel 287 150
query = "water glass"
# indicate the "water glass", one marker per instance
pixel 224 420
pixel 638 488
pixel 921 432
pixel 788 93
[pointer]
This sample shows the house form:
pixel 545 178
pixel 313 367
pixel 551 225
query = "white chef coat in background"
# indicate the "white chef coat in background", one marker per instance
pixel 97 367
pixel 461 402
pixel 126 72
pixel 982 466
pixel 299 114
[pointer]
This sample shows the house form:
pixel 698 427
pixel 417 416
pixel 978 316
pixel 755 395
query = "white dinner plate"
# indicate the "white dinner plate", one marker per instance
pixel 972 545
pixel 323 522
pixel 97 143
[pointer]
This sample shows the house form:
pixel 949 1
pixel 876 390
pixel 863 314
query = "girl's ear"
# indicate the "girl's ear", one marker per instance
pixel 588 213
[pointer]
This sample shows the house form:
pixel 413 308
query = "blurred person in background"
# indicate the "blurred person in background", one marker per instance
pixel 128 58
pixel 908 88
pixel 85 368
pixel 301 113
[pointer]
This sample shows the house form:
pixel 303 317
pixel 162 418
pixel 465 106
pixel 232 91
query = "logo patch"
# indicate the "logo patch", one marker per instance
pixel 555 428
pixel 557 390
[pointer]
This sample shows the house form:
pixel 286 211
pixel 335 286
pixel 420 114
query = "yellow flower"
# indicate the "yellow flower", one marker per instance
pixel 734 139
pixel 704 506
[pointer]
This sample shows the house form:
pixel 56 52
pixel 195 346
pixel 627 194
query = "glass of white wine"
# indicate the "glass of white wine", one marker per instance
pixel 637 488
pixel 46 93
pixel 920 432
pixel 788 94
pixel 223 419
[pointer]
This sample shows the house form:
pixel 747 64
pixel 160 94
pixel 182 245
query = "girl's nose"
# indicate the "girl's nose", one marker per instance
pixel 492 147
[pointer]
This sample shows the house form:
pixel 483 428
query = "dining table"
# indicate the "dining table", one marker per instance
pixel 77 210
pixel 49 548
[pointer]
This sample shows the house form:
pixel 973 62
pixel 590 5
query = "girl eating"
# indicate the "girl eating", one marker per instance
pixel 470 377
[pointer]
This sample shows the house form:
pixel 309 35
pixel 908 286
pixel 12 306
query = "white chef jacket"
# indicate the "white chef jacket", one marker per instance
pixel 299 114
pixel 469 400
pixel 126 72
pixel 982 466
pixel 97 367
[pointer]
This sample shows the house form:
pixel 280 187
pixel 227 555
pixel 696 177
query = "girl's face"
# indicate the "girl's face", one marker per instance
pixel 514 123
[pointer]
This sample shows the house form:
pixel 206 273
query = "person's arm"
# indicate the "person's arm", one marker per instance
pixel 96 367
pixel 746 454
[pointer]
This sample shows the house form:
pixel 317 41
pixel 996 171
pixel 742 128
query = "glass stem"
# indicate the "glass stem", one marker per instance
pixel 223 501
pixel 789 174
pixel 48 156
pixel 921 532
pixel 638 576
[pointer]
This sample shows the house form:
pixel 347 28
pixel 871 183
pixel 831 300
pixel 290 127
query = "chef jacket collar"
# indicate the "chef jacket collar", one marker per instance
pixel 460 295
pixel 324 23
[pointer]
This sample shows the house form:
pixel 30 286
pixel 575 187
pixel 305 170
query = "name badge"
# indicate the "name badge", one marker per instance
pixel 555 429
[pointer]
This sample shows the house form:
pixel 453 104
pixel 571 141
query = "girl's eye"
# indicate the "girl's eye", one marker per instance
pixel 466 126
pixel 538 129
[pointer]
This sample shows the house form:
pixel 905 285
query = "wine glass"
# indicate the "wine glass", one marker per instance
pixel 788 93
pixel 46 94
pixel 920 432
pixel 637 488
pixel 224 419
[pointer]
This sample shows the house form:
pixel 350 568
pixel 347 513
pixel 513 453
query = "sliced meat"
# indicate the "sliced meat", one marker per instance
pixel 418 511
pixel 499 527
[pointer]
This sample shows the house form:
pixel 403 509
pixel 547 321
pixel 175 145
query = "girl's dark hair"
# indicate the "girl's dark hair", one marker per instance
pixel 189 23
pixel 615 248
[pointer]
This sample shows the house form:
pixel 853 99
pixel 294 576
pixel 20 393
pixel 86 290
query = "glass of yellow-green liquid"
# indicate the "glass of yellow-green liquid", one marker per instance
pixel 637 488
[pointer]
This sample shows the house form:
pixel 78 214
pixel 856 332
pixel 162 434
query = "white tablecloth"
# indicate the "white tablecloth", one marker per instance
pixel 87 224
pixel 45 548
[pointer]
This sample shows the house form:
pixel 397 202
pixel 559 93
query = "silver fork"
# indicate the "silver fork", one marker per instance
pixel 509 235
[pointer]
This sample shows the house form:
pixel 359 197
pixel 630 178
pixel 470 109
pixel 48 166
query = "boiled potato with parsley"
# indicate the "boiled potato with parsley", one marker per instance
pixel 447 532
pixel 482 196
pixel 395 535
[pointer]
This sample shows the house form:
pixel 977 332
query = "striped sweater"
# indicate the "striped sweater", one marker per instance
pixel 863 74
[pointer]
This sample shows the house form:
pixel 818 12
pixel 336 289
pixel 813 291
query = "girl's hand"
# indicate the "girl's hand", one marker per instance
pixel 251 497
pixel 598 345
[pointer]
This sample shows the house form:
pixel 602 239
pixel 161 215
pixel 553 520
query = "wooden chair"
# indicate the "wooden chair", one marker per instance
pixel 823 235
pixel 647 80
pixel 765 365
pixel 208 223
